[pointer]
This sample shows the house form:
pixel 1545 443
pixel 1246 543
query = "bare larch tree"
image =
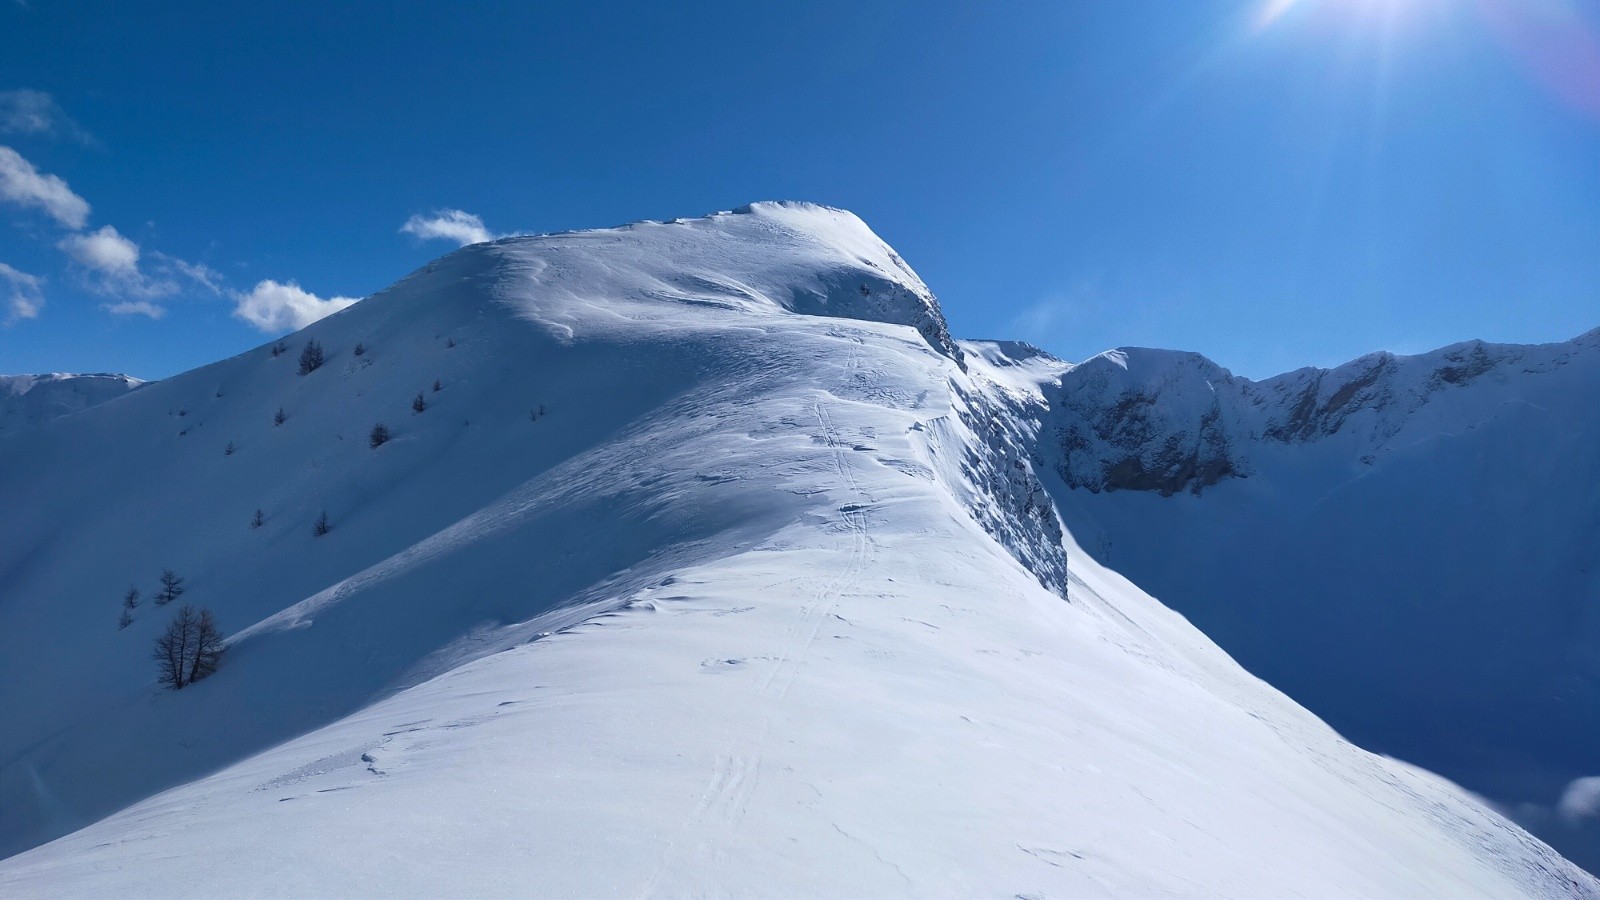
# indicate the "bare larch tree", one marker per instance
pixel 190 648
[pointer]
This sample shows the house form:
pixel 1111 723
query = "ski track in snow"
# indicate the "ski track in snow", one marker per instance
pixel 736 771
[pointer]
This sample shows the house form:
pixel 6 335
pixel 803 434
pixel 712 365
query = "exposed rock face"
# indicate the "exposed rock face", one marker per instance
pixel 1144 420
pixel 1317 412
pixel 1009 500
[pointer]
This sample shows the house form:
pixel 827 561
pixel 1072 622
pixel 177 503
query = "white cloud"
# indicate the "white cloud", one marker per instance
pixel 22 296
pixel 30 112
pixel 449 225
pixel 112 264
pixel 1581 799
pixel 273 306
pixel 104 251
pixel 135 308
pixel 25 186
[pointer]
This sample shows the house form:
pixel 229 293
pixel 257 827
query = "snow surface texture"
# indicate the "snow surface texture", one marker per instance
pixel 705 572
pixel 29 400
pixel 1410 546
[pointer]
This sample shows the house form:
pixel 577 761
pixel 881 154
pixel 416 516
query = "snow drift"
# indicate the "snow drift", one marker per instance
pixel 712 566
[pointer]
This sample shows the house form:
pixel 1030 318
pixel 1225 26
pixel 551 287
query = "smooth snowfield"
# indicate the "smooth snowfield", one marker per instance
pixel 681 584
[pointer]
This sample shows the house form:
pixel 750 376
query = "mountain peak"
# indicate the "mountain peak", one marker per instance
pixel 764 258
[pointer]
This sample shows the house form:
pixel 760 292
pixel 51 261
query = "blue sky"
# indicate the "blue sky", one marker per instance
pixel 1274 183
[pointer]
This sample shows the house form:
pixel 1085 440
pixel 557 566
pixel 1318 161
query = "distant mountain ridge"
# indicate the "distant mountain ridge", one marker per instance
pixel 28 400
pixel 1169 421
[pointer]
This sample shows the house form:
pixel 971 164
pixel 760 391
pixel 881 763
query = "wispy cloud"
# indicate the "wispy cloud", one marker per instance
pixel 22 296
pixel 135 308
pixel 1062 314
pixel 284 306
pixel 23 185
pixel 37 114
pixel 199 273
pixel 1581 799
pixel 449 225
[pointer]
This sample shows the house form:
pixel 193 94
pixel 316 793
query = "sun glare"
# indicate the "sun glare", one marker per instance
pixel 1557 42
pixel 1270 11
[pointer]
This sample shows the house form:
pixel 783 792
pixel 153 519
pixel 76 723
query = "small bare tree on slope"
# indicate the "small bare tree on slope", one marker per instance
pixel 190 649
pixel 171 587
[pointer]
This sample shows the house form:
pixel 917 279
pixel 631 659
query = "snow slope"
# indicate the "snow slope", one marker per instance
pixel 1408 545
pixel 28 400
pixel 714 567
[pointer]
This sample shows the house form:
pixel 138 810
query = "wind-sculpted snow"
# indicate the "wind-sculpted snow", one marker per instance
pixel 798 257
pixel 28 400
pixel 697 575
pixel 1410 545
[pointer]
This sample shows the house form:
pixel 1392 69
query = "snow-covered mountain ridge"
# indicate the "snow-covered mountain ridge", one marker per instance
pixel 706 564
pixel 1169 421
pixel 28 400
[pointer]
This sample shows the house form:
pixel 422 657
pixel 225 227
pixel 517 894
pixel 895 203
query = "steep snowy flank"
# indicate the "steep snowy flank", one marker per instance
pixel 1409 545
pixel 28 400
pixel 702 571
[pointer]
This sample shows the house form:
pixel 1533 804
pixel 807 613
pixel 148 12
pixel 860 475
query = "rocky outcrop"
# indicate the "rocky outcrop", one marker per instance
pixel 1144 420
pixel 1014 506
pixel 1324 400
